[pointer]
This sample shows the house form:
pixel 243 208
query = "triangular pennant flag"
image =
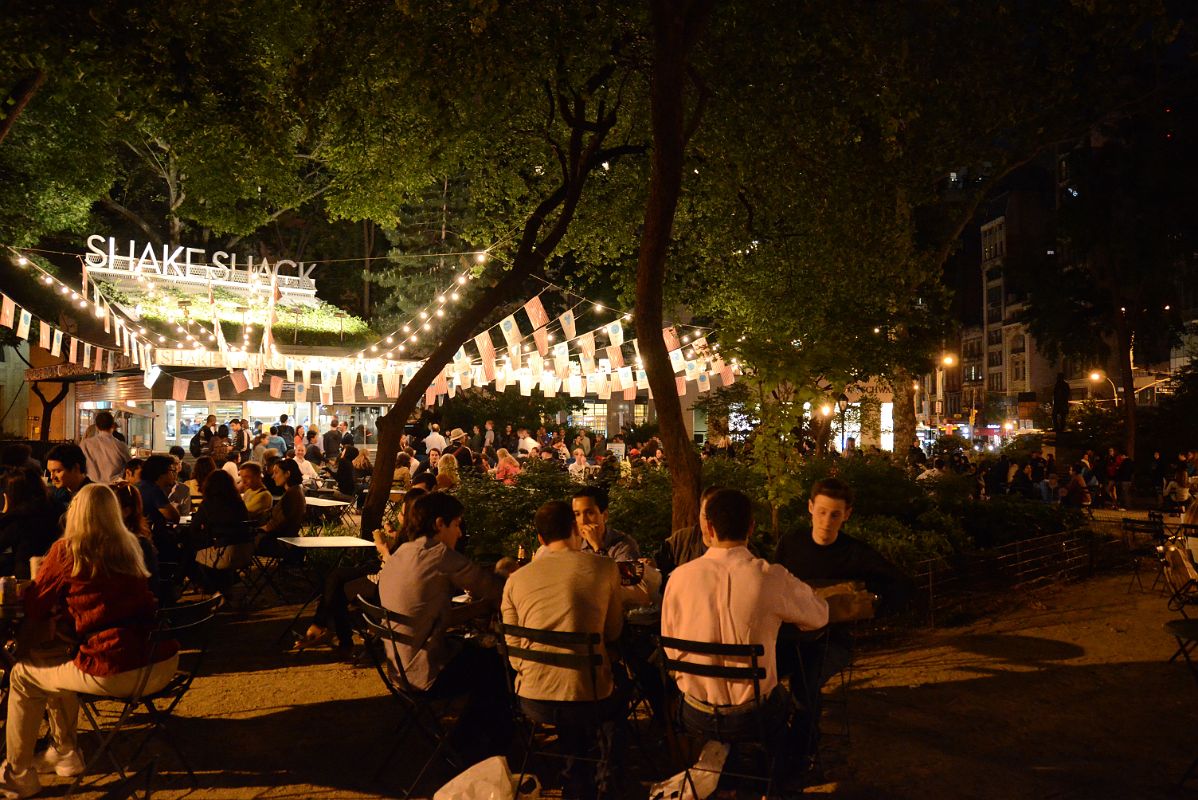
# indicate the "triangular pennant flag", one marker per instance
pixel 7 310
pixel 681 383
pixel 276 386
pixel 615 333
pixel 536 312
pixel 56 344
pixel 23 324
pixel 486 348
pixel 567 322
pixel 370 385
pixel 586 344
pixel 391 383
pixel 212 390
pixel 240 381
pixel 179 390
pixel 541 337
pixel 152 375
pixel 615 357
pixel 670 337
pixel 510 331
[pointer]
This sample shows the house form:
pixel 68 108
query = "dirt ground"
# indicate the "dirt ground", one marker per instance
pixel 1066 693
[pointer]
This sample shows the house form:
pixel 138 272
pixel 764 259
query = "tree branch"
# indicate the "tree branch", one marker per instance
pixel 19 98
pixel 132 217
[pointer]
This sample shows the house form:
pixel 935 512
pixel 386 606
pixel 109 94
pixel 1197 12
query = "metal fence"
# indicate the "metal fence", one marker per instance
pixel 944 588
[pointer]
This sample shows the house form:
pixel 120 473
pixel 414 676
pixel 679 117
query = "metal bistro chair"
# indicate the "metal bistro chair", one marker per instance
pixel 576 652
pixel 1142 540
pixel 419 709
pixel 189 624
pixel 746 668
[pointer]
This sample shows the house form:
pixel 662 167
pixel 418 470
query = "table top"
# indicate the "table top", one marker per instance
pixel 325 542
pixel 325 502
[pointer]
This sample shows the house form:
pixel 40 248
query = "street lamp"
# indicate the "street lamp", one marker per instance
pixel 948 360
pixel 1097 376
pixel 842 403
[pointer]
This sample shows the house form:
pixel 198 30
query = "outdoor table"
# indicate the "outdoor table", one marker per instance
pixel 318 506
pixel 394 498
pixel 339 544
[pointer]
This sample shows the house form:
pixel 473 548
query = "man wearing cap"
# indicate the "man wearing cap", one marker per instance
pixel 459 449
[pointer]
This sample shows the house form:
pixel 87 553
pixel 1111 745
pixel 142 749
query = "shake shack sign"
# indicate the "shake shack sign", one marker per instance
pixel 131 264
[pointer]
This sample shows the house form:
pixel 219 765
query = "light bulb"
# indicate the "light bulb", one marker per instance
pixel 142 331
pixel 374 348
pixel 455 297
pixel 402 348
pixel 462 280
pixel 424 315
pixel 481 258
pixel 428 326
pixel 440 312
pixel 441 299
pixel 390 339
pixel 22 261
pixel 407 329
pixel 414 338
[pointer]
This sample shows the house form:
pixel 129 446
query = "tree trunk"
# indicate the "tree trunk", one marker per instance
pixel 903 412
pixel 1123 337
pixel 48 406
pixel 676 25
pixel 19 98
pixel 585 154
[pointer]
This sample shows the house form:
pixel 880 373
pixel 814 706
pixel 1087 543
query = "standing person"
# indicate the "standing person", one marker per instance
pixel 476 440
pixel 566 590
pixel 434 440
pixel 277 442
pixel 1124 471
pixel 286 431
pixel 489 434
pixel 331 440
pixel 68 473
pixel 95 574
pixel 105 455
pixel 418 581
pixel 727 596
pixel 510 441
pixel 459 450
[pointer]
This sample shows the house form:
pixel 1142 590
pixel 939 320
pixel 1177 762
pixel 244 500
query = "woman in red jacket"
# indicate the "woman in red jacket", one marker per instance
pixel 94 579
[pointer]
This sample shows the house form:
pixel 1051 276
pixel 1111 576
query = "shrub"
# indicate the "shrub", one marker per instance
pixel 902 545
pixel 1005 519
pixel 499 518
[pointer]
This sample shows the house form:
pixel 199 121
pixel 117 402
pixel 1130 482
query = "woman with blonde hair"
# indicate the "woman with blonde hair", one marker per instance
pixel 447 472
pixel 507 467
pixel 96 576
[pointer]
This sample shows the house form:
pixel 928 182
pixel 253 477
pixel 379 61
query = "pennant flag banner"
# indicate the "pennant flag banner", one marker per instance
pixel 642 380
pixel 23 324
pixel 617 383
pixel 212 390
pixel 681 385
pixel 349 388
pixel 567 322
pixel 328 379
pixel 536 313
pixel 727 376
pixel 587 362
pixel 301 393
pixel 290 366
pixel 604 388
pixel 73 352
pixel 670 337
pixel 370 385
pixel 549 384
pixel 486 348
pixel 391 383
pixel 692 370
pixel 510 331
pixel 56 345
pixel 276 386
pixel 7 309
pixel 99 365
pixel 630 393
pixel 704 382
pixel 615 357
pixel 501 381
pixel 461 363
pixel 513 357
pixel 536 365
pixel 466 378
pixel 179 391
pixel 615 333
pixel 586 344
pixel 575 386
pixel 151 376
pixel 326 395
pixel 87 354
pixel 541 337
pixel 527 382
pixel 43 335
pixel 111 359
pixel 240 381
pixel 677 361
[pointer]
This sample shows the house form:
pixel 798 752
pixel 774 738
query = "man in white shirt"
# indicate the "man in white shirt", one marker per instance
pixel 729 596
pixel 526 443
pixel 434 440
pixel 106 456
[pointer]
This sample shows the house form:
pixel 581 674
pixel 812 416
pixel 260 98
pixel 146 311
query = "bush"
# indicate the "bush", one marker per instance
pixel 902 545
pixel 1005 519
pixel 499 518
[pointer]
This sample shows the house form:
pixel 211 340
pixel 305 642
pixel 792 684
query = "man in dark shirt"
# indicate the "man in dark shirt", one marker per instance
pixel 285 430
pixel 68 473
pixel 332 441
pixel 313 452
pixel 825 555
pixel 157 480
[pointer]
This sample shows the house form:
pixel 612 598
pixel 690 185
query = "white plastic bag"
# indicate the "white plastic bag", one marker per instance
pixel 703 780
pixel 489 780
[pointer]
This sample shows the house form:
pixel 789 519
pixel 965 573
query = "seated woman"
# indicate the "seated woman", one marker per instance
pixel 136 523
pixel 401 478
pixel 447 473
pixel 95 579
pixel 344 584
pixel 1076 494
pixel 204 466
pixel 507 469
pixel 221 531
pixel 347 483
pixel 287 515
pixel 29 524
pixel 1177 492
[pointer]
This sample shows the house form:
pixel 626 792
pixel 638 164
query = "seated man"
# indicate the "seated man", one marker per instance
pixel 567 590
pixel 419 580
pixel 255 496
pixel 157 479
pixel 728 596
pixel 590 514
pixel 826 554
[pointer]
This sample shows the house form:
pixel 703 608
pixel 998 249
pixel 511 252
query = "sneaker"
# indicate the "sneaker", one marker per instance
pixel 14 786
pixel 68 764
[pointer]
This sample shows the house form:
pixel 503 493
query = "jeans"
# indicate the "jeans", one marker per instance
pixel 772 719
pixel 584 730
pixel 38 688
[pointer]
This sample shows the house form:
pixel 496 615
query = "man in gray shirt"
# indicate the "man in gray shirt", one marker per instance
pixel 106 457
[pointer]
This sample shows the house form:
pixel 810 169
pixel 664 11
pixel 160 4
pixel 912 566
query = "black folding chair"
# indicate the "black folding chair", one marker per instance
pixel 1142 540
pixel 188 624
pixel 418 709
pixel 745 667
pixel 575 652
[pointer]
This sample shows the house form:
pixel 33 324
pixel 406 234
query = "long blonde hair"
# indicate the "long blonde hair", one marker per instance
pixel 96 536
pixel 447 465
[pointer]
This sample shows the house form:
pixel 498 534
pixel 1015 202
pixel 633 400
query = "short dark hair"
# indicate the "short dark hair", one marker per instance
pixel 432 507
pixel 311 434
pixel 596 493
pixel 176 450
pixel 730 514
pixel 105 421
pixel 426 480
pixel 833 488
pixel 283 418
pixel 134 464
pixel 294 476
pixel 16 455
pixel 69 455
pixel 155 467
pixel 554 521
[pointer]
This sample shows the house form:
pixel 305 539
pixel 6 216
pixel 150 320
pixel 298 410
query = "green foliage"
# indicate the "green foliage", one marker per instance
pixel 1005 519
pixel 901 544
pixel 477 405
pixel 642 509
pixel 947 445
pixel 499 518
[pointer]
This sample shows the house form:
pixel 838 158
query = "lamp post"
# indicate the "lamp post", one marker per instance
pixel 842 403
pixel 1097 376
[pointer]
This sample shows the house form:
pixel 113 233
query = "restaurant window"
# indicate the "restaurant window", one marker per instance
pixel 592 416
pixel 191 419
pixel 362 420
pixel 171 412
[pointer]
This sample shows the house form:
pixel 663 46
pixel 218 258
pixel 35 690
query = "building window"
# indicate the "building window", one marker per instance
pixel 995 382
pixel 592 416
pixel 994 337
pixel 994 358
